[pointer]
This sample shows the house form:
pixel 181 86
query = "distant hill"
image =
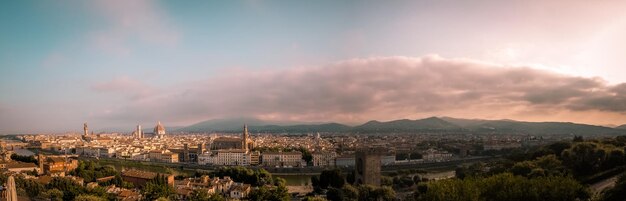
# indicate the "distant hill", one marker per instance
pixel 257 125
pixel 623 127
pixel 329 127
pixel 405 125
pixel 432 124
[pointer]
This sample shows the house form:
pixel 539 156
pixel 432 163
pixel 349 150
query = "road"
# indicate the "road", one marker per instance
pixel 604 184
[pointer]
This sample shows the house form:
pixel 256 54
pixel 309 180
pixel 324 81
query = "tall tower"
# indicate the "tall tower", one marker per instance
pixel 85 129
pixel 244 139
pixel 201 147
pixel 11 194
pixel 139 132
pixel 368 166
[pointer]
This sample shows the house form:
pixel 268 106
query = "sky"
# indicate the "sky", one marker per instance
pixel 116 64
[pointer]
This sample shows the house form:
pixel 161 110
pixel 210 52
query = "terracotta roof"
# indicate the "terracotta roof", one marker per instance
pixel 15 164
pixel 55 159
pixel 227 139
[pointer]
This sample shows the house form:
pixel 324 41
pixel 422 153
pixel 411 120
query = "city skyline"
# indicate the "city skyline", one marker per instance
pixel 118 65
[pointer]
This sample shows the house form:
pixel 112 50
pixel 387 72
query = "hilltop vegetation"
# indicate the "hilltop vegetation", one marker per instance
pixel 432 124
pixel 560 171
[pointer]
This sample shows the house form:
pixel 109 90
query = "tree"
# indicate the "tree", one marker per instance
pixel 584 158
pixel 278 193
pixel 505 187
pixel 306 155
pixel 313 199
pixel 198 194
pixel 333 178
pixel 350 193
pixel 335 194
pixel 52 194
pixel 157 188
pixel 88 198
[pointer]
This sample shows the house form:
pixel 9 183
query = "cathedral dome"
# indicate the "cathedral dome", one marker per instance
pixel 159 128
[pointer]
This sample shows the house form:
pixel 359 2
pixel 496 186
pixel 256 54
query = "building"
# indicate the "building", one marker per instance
pixel 436 155
pixel 239 191
pixel 282 159
pixel 159 130
pixel 323 158
pixel 138 133
pixel 255 157
pixel 225 157
pixel 367 171
pixel 140 178
pixel 56 164
pixel 234 143
pixel 345 161
pixel 163 156
pixel 169 157
pixel 17 167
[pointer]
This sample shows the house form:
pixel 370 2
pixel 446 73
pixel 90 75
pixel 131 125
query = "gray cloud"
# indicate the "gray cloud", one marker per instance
pixel 377 88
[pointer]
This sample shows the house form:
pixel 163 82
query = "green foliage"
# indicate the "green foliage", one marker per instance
pixel 26 159
pixel 157 188
pixel 241 174
pixel 263 193
pixel 88 198
pixel 314 199
pixel 203 195
pixel 70 188
pixel 505 187
pixel 333 178
pixel 90 171
pixel 350 193
pixel 52 194
pixel 371 193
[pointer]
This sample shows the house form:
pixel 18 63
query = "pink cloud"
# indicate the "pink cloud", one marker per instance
pixel 141 20
pixel 383 88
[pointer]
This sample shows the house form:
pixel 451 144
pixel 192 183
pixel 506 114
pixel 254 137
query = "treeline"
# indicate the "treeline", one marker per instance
pixel 258 177
pixel 553 172
pixel 58 189
pixel 504 186
pixel 26 159
pixel 336 186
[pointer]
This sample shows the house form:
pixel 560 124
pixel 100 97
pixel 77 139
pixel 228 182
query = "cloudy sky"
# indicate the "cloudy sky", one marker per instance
pixel 122 63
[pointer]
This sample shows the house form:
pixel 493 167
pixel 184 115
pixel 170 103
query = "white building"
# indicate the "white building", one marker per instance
pixel 324 158
pixel 436 155
pixel 282 159
pixel 225 157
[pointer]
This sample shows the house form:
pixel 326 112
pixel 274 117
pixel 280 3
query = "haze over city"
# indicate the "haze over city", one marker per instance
pixel 117 64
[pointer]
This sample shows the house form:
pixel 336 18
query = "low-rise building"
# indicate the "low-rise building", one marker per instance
pixel 324 158
pixel 282 159
pixel 140 178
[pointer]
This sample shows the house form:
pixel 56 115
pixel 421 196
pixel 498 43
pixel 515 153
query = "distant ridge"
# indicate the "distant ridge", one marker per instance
pixel 431 124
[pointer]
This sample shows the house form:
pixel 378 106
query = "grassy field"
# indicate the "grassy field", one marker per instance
pixel 128 164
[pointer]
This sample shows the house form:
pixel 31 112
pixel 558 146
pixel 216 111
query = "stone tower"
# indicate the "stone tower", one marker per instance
pixel 201 147
pixel 85 129
pixel 40 159
pixel 139 132
pixel 244 138
pixel 11 192
pixel 186 153
pixel 368 166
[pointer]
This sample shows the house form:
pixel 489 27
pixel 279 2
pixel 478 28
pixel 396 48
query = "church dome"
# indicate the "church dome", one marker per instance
pixel 159 128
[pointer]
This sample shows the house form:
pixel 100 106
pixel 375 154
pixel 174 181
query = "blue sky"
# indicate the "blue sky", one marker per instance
pixel 66 62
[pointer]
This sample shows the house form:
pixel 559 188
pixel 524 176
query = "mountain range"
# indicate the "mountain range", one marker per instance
pixel 432 124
